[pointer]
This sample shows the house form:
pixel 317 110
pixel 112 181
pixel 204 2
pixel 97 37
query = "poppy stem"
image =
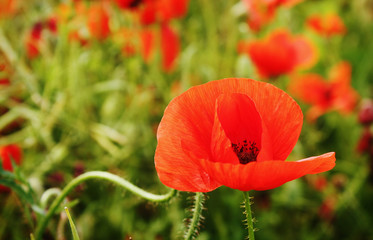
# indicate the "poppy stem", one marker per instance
pixel 249 217
pixel 98 175
pixel 197 216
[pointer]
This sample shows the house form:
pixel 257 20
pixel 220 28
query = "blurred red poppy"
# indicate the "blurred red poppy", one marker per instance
pixel 8 154
pixel 323 95
pixel 366 112
pixel 170 46
pixel 161 11
pixel 98 21
pixel 280 53
pixel 262 12
pixel 232 132
pixel 327 25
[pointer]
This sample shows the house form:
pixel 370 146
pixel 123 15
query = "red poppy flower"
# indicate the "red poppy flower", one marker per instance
pixel 262 12
pixel 232 132
pixel 98 21
pixel 170 46
pixel 148 42
pixel 327 25
pixel 162 11
pixel 8 154
pixel 280 53
pixel 365 143
pixel 366 112
pixel 4 82
pixel 324 95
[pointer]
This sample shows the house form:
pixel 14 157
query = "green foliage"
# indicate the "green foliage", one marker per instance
pixel 89 107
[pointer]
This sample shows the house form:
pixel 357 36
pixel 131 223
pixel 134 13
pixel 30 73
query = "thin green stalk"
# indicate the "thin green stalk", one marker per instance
pixel 197 216
pixel 47 195
pixel 98 175
pixel 249 218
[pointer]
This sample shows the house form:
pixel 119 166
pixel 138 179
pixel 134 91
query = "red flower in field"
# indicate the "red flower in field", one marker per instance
pixel 170 46
pixel 232 132
pixel 34 39
pixel 4 82
pixel 148 44
pixel 152 11
pixel 98 21
pixel 323 95
pixel 327 25
pixel 280 53
pixel 365 143
pixel 327 208
pixel 8 154
pixel 262 12
pixel 366 113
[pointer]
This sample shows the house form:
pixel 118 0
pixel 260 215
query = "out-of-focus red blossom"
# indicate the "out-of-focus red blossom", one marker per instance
pixel 365 144
pixel 51 24
pixel 366 112
pixel 280 53
pixel 232 132
pixel 126 4
pixel 34 39
pixel 318 182
pixel 153 11
pixel 55 179
pixel 262 12
pixel 148 44
pixel 4 82
pixel 79 169
pixel 32 47
pixel 8 154
pixel 8 8
pixel 327 208
pixel 328 25
pixel 98 21
pixel 170 45
pixel 335 94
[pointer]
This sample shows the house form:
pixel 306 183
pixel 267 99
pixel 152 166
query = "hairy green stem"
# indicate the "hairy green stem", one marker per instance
pixel 98 175
pixel 197 216
pixel 249 217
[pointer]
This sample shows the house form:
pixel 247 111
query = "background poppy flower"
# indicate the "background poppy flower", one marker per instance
pixel 262 12
pixel 170 46
pixel 327 25
pixel 98 21
pixel 335 94
pixel 8 154
pixel 232 132
pixel 280 53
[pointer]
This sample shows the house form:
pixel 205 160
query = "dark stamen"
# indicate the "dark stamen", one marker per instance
pixel 246 151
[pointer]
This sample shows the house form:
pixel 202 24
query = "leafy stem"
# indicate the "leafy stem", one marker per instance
pixel 98 175
pixel 248 215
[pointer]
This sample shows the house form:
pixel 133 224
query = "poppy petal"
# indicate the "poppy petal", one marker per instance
pixel 237 124
pixel 266 174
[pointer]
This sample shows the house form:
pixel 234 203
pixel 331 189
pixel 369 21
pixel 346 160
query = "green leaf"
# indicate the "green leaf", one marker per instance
pixel 72 225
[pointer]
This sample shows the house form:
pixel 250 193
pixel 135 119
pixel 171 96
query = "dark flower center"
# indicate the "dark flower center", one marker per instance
pixel 135 3
pixel 246 151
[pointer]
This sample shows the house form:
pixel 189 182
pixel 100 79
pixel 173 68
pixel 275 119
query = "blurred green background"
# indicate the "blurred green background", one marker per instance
pixel 82 107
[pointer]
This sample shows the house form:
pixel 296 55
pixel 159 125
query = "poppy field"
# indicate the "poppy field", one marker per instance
pixel 186 119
